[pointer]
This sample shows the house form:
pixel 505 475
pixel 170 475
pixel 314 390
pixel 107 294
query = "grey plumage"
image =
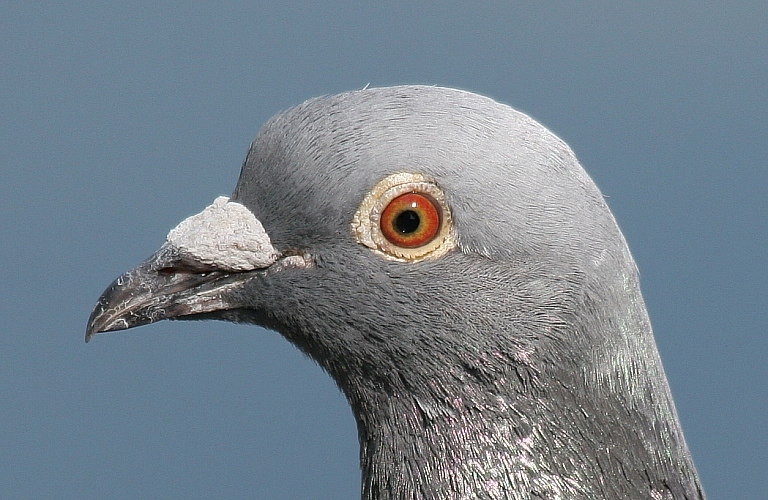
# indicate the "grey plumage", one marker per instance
pixel 519 364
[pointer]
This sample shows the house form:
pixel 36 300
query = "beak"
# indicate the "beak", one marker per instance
pixel 155 290
pixel 205 256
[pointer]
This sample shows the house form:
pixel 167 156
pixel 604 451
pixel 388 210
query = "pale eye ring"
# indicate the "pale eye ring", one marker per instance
pixel 405 217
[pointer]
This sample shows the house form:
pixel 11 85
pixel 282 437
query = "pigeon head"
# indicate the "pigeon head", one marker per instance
pixel 450 264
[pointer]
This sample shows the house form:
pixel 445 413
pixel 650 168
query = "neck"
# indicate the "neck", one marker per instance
pixel 515 446
pixel 466 447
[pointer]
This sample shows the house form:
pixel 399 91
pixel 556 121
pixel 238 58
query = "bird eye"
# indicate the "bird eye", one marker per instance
pixel 411 220
pixel 406 217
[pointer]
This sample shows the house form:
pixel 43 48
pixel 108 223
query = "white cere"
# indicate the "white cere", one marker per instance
pixel 226 235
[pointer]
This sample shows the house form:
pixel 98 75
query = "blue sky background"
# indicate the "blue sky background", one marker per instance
pixel 121 119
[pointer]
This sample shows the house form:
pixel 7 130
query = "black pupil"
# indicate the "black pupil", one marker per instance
pixel 407 221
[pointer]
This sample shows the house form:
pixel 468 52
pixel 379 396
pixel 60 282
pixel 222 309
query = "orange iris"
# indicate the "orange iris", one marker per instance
pixel 411 220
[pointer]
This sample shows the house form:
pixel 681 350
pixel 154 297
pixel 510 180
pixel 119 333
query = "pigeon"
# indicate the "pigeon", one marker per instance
pixel 449 263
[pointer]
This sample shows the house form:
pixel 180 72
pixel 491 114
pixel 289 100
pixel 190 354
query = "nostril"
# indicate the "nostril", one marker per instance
pixel 182 266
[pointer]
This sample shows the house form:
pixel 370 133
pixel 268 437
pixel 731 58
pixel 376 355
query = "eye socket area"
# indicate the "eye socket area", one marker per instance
pixel 411 220
pixel 405 217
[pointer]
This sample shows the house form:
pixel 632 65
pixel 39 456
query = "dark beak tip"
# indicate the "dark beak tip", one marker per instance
pixel 102 320
pixel 95 322
pixel 100 323
pixel 92 329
